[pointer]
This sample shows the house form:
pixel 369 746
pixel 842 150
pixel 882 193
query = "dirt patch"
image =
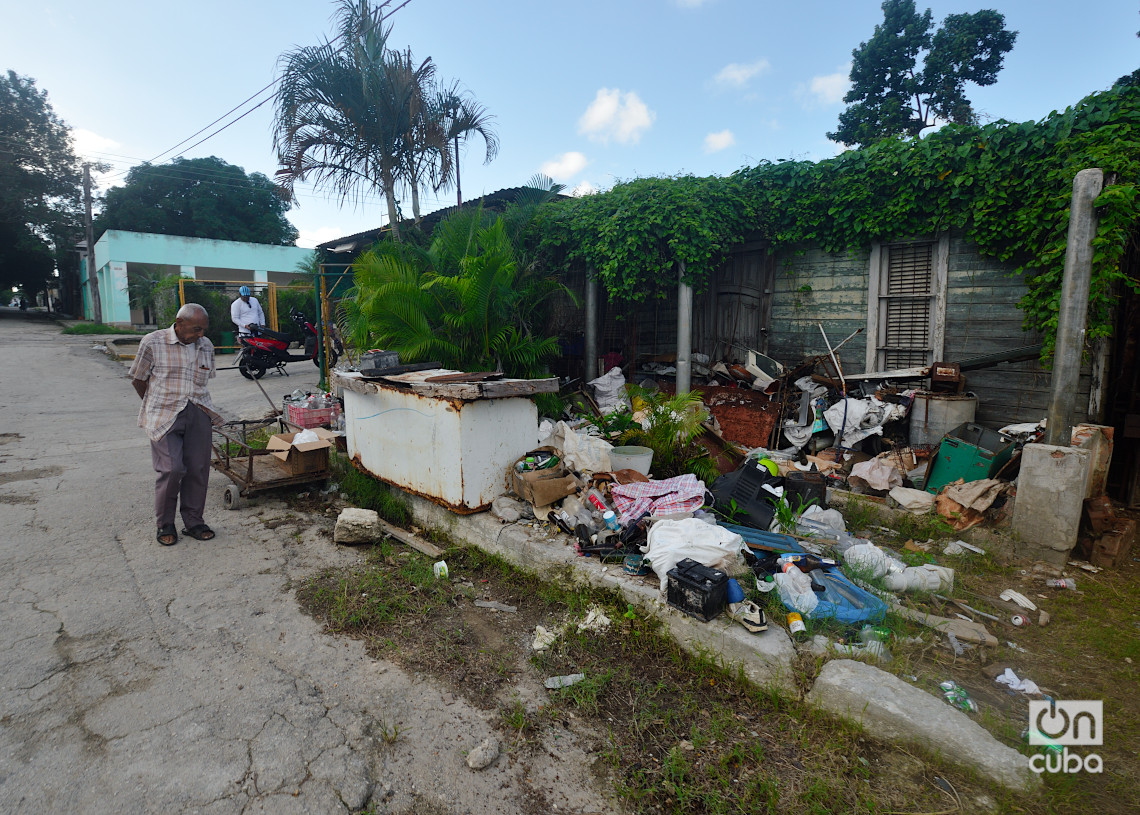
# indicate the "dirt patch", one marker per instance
pixel 30 475
pixel 9 438
pixel 17 499
pixel 668 732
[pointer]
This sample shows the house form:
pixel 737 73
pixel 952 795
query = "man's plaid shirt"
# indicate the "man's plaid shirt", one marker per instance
pixel 177 373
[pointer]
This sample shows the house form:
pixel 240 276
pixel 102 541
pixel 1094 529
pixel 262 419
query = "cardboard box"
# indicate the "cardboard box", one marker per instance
pixel 542 487
pixel 311 457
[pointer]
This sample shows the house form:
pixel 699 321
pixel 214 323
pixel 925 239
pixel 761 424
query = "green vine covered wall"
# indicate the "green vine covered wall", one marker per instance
pixel 1006 186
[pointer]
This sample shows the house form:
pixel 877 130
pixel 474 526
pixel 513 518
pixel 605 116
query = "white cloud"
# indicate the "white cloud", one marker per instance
pixel 565 166
pixel 622 117
pixel 714 142
pixel 583 188
pixel 828 89
pixel 737 74
pixel 87 142
pixel 309 238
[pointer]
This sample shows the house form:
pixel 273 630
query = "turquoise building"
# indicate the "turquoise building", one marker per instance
pixel 117 253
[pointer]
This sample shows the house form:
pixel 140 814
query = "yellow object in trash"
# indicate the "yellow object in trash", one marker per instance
pixel 769 465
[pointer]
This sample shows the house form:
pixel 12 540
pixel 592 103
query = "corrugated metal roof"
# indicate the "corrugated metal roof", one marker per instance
pixel 495 201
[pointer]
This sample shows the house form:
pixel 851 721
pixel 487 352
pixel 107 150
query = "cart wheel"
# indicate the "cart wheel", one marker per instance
pixel 231 498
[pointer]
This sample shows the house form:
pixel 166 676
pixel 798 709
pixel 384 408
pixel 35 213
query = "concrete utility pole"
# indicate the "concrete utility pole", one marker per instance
pixel 1073 314
pixel 590 349
pixel 96 304
pixel 684 331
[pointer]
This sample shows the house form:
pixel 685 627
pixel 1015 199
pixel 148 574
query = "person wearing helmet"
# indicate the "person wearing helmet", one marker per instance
pixel 245 311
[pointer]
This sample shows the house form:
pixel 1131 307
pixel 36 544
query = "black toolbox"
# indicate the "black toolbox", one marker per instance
pixel 699 591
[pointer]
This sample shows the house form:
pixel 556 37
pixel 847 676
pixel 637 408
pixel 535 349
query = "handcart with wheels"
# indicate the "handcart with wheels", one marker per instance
pixel 252 470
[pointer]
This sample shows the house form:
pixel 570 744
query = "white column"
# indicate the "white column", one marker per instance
pixel 188 271
pixel 260 277
pixel 684 333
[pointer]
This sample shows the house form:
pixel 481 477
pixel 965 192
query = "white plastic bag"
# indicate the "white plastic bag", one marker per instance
pixel 896 575
pixel 670 542
pixel 305 437
pixel 878 474
pixel 609 391
pixel 869 558
pixel 831 518
pixel 926 577
pixel 581 452
pixel 916 501
pixel 795 591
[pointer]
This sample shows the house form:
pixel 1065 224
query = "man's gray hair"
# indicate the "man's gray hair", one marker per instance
pixel 192 311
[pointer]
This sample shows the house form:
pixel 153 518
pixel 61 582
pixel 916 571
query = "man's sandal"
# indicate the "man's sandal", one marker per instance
pixel 167 532
pixel 201 532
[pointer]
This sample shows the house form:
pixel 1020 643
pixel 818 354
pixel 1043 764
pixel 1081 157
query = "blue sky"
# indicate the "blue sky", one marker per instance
pixel 590 92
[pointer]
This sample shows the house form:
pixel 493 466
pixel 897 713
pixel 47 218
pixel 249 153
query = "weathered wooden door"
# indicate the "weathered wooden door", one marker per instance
pixel 740 305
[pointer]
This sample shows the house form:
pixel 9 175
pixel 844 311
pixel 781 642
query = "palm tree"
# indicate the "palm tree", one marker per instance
pixel 343 113
pixel 462 116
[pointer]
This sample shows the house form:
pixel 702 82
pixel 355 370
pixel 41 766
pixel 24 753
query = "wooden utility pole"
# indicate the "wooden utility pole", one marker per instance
pixel 96 304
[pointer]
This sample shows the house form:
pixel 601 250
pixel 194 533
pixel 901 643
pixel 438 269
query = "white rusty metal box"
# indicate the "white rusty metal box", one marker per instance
pixel 451 443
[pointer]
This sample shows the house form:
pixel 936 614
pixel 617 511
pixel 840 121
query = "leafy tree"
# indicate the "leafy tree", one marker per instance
pixel 40 182
pixel 890 97
pixel 142 287
pixel 198 198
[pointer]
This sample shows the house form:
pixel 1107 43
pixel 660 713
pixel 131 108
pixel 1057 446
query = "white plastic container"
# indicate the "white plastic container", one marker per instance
pixel 631 458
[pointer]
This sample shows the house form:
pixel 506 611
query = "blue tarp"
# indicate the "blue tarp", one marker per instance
pixel 842 600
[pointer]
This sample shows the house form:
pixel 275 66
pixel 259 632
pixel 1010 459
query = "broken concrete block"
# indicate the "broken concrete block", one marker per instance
pixel 484 755
pixel 1050 495
pixel 889 708
pixel 506 509
pixel 357 526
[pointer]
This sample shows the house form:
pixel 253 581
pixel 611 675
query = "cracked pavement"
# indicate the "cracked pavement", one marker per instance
pixel 142 678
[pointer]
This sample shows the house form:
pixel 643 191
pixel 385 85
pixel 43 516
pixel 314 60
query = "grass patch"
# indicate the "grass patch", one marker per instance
pixel 99 328
pixel 675 732
pixel 368 493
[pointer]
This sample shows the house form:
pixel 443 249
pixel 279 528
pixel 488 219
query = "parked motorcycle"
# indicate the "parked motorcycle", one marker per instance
pixel 264 349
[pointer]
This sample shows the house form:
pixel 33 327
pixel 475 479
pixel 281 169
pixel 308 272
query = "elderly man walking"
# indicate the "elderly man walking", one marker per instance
pixel 170 373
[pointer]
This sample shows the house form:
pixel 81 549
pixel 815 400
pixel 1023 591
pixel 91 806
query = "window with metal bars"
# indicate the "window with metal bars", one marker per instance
pixel 906 302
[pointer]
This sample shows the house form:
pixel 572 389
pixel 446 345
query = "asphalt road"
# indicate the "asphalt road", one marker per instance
pixel 141 678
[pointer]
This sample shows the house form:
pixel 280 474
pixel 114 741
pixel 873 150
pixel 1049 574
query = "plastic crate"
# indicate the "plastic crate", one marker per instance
pixel 970 452
pixel 301 416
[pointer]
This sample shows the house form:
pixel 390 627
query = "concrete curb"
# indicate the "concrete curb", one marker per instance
pixel 766 659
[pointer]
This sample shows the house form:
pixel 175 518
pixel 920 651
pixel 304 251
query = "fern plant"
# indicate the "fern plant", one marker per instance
pixel 671 427
pixel 462 302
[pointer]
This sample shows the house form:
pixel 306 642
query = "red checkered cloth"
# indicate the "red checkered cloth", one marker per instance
pixel 681 494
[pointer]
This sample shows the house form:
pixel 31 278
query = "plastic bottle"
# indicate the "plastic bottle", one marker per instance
pixel 596 500
pixel 956 695
pixel 875 633
pixel 796 627
pixel 1062 583
pixel 611 520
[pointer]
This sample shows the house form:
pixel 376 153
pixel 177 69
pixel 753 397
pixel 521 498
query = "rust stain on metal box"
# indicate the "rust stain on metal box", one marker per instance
pixel 458 509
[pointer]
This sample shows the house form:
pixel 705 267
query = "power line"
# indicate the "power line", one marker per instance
pixel 255 95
